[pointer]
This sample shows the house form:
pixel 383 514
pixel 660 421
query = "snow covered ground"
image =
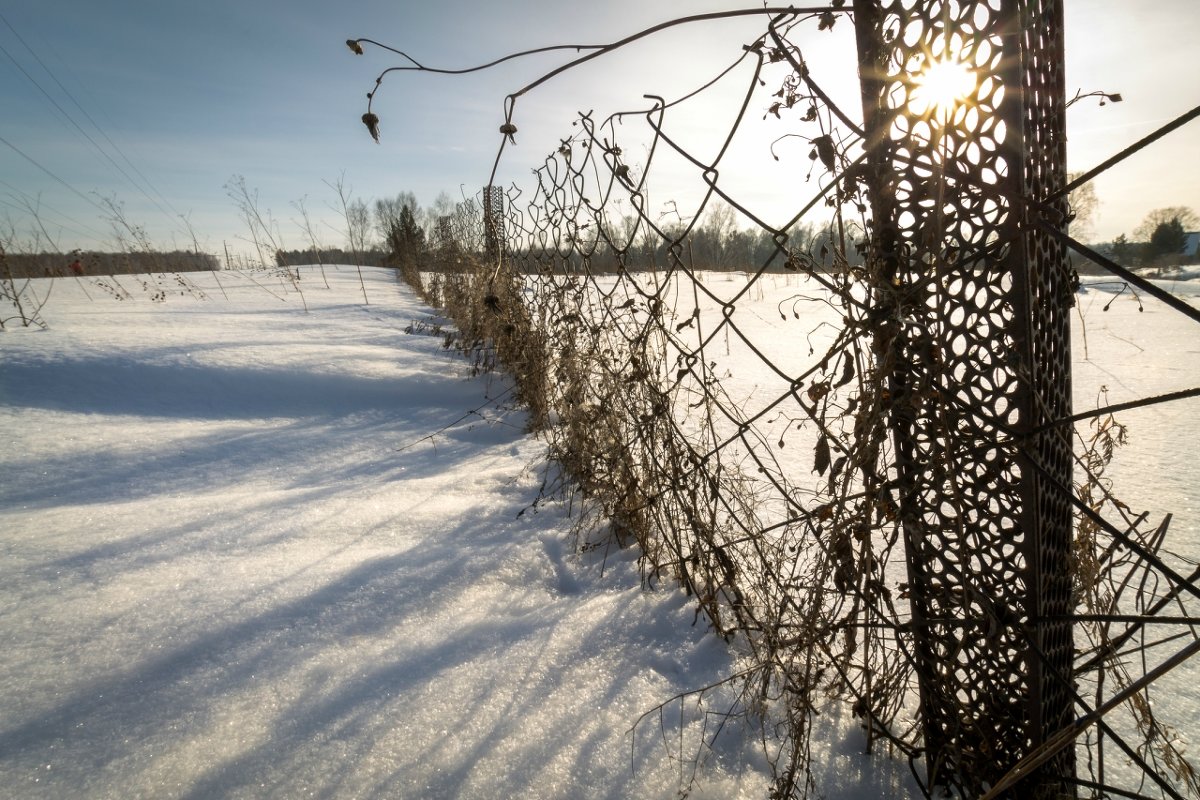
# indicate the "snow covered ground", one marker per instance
pixel 249 551
pixel 1135 346
pixel 252 551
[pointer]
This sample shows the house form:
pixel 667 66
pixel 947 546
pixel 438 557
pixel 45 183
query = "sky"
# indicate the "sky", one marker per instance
pixel 155 107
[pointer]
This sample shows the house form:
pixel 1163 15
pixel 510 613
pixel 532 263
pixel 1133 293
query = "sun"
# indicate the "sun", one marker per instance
pixel 940 87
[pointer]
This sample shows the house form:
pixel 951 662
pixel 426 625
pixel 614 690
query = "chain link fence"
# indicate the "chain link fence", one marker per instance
pixel 849 434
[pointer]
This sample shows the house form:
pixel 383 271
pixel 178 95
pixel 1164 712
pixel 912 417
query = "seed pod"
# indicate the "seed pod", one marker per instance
pixel 825 151
pixel 372 123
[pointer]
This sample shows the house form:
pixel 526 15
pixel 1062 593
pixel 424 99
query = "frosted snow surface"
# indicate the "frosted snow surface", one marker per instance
pixel 249 551
pixel 252 551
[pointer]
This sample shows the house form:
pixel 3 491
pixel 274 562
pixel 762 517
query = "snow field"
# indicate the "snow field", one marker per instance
pixel 250 551
pixel 243 557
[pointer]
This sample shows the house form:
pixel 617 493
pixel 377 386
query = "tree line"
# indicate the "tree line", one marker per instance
pixel 1160 240
pixel 399 232
pixel 82 263
pixel 441 236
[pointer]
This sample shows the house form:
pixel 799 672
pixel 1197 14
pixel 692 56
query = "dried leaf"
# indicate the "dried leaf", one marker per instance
pixel 372 123
pixel 847 371
pixel 825 151
pixel 821 459
pixel 838 465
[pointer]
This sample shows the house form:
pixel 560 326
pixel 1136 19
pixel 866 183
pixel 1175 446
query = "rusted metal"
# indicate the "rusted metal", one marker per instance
pixel 972 298
pixel 493 221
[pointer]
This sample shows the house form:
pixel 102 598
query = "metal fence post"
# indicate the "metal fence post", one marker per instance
pixel 973 338
pixel 493 221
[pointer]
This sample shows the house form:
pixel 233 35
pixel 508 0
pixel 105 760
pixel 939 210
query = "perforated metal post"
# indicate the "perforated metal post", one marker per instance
pixel 972 335
pixel 493 221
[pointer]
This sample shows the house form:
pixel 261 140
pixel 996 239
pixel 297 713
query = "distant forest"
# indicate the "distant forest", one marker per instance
pixel 65 265
pixel 51 265
pixel 331 255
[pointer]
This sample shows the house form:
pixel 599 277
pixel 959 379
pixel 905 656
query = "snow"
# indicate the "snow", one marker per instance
pixel 1137 348
pixel 250 551
pixel 253 551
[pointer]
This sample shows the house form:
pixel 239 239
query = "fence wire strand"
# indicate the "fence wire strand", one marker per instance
pixel 769 465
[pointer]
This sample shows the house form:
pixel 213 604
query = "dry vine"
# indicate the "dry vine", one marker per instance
pixel 625 350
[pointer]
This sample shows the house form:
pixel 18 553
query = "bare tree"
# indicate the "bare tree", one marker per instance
pixel 1083 203
pixel 715 235
pixel 358 225
pixel 388 212
pixel 1187 217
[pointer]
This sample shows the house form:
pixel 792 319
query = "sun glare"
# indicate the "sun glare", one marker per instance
pixel 941 86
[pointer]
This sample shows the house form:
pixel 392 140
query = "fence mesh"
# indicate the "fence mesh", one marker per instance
pixel 857 451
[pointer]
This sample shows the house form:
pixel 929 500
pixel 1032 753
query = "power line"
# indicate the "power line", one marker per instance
pixel 71 188
pixel 79 235
pixel 85 113
pixel 29 208
pixel 77 126
pixel 82 132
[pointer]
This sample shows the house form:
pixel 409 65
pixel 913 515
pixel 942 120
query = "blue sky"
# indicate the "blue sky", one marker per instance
pixel 179 97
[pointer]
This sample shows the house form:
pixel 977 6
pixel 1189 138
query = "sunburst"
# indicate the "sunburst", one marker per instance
pixel 940 87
